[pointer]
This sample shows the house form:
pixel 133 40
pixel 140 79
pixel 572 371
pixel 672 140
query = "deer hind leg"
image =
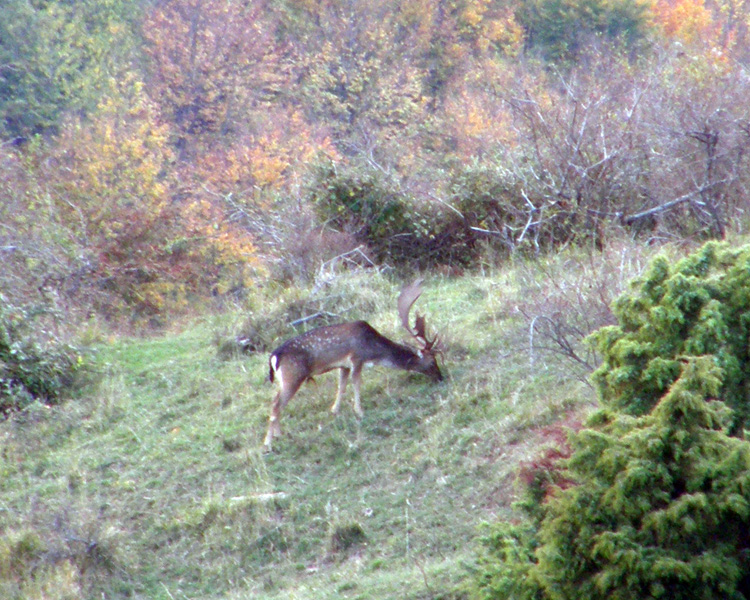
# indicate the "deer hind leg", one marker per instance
pixel 288 386
pixel 274 429
pixel 343 379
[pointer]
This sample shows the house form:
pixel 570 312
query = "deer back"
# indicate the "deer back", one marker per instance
pixel 325 348
pixel 346 345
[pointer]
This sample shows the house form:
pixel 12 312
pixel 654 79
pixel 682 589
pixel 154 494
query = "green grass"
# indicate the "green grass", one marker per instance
pixel 155 486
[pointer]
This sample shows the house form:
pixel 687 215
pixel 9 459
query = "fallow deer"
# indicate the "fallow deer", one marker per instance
pixel 349 347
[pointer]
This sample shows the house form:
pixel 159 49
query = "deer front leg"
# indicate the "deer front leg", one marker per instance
pixel 356 381
pixel 343 379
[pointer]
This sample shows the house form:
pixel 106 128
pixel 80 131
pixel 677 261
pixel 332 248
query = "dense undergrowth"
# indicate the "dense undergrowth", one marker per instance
pixel 35 363
pixel 153 485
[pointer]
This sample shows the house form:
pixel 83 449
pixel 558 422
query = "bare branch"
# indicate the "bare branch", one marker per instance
pixel 317 315
pixel 630 219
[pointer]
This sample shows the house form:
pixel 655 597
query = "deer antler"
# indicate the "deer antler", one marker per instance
pixel 406 299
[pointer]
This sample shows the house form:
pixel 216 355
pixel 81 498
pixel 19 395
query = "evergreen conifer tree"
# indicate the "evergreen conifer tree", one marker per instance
pixel 662 505
pixel 657 496
pixel 698 307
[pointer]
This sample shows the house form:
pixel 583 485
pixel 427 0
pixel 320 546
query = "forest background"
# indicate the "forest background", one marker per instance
pixel 162 155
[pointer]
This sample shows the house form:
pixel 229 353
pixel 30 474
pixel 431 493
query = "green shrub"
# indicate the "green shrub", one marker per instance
pixel 397 229
pixel 498 212
pixel 656 504
pixel 562 30
pixel 362 203
pixel 32 370
pixel 660 508
pixel 699 306
pixel 505 563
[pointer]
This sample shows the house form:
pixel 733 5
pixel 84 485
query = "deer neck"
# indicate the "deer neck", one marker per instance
pixel 397 356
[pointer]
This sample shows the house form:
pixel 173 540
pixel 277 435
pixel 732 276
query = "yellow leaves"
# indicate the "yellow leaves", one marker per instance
pixel 269 163
pixel 272 160
pixel 109 193
pixel 473 13
pixel 506 33
pixel 477 121
pixel 706 32
pixel 260 164
pixel 490 27
pixel 113 165
pixel 220 255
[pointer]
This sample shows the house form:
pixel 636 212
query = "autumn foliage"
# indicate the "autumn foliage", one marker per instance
pixel 208 60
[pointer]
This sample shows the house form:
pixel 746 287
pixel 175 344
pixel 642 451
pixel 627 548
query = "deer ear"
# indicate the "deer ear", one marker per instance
pixel 421 353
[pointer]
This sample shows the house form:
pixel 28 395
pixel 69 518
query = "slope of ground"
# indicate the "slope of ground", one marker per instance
pixel 155 486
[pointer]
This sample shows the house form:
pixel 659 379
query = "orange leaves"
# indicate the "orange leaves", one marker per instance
pixel 476 121
pixel 491 26
pixel 215 254
pixel 713 28
pixel 225 193
pixel 145 236
pixel 475 112
pixel 272 160
pixel 173 184
pixel 96 213
pixel 112 196
pixel 688 21
pixel 269 162
pixel 258 164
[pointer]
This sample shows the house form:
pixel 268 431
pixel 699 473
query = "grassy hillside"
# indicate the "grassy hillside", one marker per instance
pixel 154 485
